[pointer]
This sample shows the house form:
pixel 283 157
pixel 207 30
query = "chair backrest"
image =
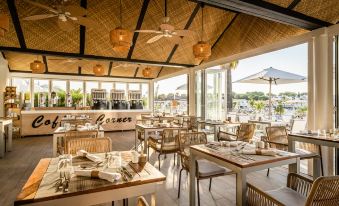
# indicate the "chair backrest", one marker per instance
pixel 277 134
pixel 324 191
pixel 245 132
pixel 192 123
pixel 298 125
pixel 185 141
pixel 76 135
pixel 169 140
pixel 91 145
pixel 142 201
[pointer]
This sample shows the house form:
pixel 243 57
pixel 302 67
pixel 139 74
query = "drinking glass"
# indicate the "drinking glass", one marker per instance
pixel 114 160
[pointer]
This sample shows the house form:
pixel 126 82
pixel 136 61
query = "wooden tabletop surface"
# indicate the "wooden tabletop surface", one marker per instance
pixel 62 130
pixel 315 136
pixel 173 126
pixel 41 184
pixel 241 161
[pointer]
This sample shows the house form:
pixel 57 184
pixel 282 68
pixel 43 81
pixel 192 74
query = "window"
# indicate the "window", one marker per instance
pixel 23 87
pixel 76 89
pixel 120 86
pixel 41 92
pixel 133 86
pixel 170 95
pixel 145 95
pixel 60 87
pixel 198 93
pixel 107 85
pixel 89 87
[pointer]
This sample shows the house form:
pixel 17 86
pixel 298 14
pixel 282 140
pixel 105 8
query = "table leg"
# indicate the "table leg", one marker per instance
pixel 2 141
pixel 10 136
pixel 135 139
pixel 316 168
pixel 241 188
pixel 145 142
pixel 293 167
pixel 153 199
pixel 192 179
pixel 55 144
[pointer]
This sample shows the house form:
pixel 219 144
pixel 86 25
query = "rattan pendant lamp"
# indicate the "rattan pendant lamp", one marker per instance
pixel 4 24
pixel 202 50
pixel 121 39
pixel 147 72
pixel 98 70
pixel 37 66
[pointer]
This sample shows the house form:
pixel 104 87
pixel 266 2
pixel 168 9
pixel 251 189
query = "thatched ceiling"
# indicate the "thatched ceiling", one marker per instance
pixel 228 31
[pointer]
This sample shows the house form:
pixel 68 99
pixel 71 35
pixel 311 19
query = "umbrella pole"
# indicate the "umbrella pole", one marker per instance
pixel 270 100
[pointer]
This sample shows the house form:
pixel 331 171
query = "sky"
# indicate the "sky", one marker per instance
pixel 292 59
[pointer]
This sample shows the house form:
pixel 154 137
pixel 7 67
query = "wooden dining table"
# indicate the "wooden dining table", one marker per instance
pixel 60 132
pixel 5 123
pixel 240 164
pixel 313 138
pixel 41 189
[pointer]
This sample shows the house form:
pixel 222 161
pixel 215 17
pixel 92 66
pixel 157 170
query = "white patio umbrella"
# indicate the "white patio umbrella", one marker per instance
pixel 269 76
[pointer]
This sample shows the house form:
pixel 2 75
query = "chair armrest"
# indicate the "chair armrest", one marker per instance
pixel 255 197
pixel 299 183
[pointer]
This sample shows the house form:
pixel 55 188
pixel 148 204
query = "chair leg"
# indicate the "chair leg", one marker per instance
pixel 198 192
pixel 179 182
pixel 112 203
pixel 159 160
pixel 321 162
pixel 268 172
pixel 148 153
pixel 174 158
pixel 209 188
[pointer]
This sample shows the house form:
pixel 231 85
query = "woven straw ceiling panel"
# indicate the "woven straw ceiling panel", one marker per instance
pixel 327 10
pixel 179 12
pixel 123 71
pixel 63 65
pixel 154 72
pixel 169 70
pixel 248 32
pixel 215 21
pixel 87 66
pixel 282 3
pixel 45 34
pixel 20 61
pixel 10 39
pixel 106 12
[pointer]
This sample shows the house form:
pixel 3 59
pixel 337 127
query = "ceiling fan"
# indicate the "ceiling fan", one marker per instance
pixel 127 65
pixel 167 30
pixel 65 14
pixel 79 62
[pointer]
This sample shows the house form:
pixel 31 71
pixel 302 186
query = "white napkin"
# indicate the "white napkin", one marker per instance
pixel 109 176
pixel 89 156
pixel 266 152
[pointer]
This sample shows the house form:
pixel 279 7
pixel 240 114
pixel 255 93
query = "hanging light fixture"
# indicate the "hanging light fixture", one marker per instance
pixel 121 39
pixel 147 72
pixel 37 66
pixel 98 70
pixel 4 24
pixel 234 64
pixel 202 50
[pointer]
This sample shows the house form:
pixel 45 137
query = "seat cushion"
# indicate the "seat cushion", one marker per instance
pixel 304 154
pixel 287 196
pixel 207 169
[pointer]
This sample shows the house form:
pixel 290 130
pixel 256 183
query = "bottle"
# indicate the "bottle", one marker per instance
pixel 69 100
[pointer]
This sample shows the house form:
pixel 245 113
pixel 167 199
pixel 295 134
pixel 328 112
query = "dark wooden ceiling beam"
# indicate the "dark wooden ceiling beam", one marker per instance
pixel 188 24
pixel 16 22
pixel 138 26
pixel 269 11
pixel 93 57
pixel 293 4
pixel 136 72
pixel 82 43
pixel 109 69
pixel 226 29
pixel 79 70
pixel 44 59
pixel 76 74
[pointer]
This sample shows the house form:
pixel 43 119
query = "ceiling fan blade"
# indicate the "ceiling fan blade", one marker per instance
pixel 149 31
pixel 154 39
pixel 183 32
pixel 38 17
pixel 65 25
pixel 176 39
pixel 85 21
pixel 75 10
pixel 167 27
pixel 42 6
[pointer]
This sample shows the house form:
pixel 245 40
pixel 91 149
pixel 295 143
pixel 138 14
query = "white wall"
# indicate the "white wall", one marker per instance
pixel 3 81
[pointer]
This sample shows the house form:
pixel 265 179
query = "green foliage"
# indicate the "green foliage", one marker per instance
pixel 259 106
pixel 288 94
pixel 252 103
pixel 77 96
pixel 62 98
pixel 302 111
pixel 279 110
pixel 251 95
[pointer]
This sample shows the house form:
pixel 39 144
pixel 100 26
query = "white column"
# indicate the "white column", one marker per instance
pixel 4 75
pixel 320 90
pixel 191 92
pixel 151 95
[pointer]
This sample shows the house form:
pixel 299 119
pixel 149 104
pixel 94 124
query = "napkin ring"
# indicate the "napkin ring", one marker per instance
pixel 95 174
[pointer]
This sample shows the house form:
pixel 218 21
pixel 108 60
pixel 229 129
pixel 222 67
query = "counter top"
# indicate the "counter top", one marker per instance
pixel 83 111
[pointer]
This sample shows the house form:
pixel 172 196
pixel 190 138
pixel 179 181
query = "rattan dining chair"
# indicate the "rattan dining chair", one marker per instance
pixel 205 169
pixel 141 201
pixel 91 145
pixel 244 132
pixel 277 137
pixel 75 135
pixel 166 143
pixel 299 191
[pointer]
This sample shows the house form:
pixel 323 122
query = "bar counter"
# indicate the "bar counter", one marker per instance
pixel 45 122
